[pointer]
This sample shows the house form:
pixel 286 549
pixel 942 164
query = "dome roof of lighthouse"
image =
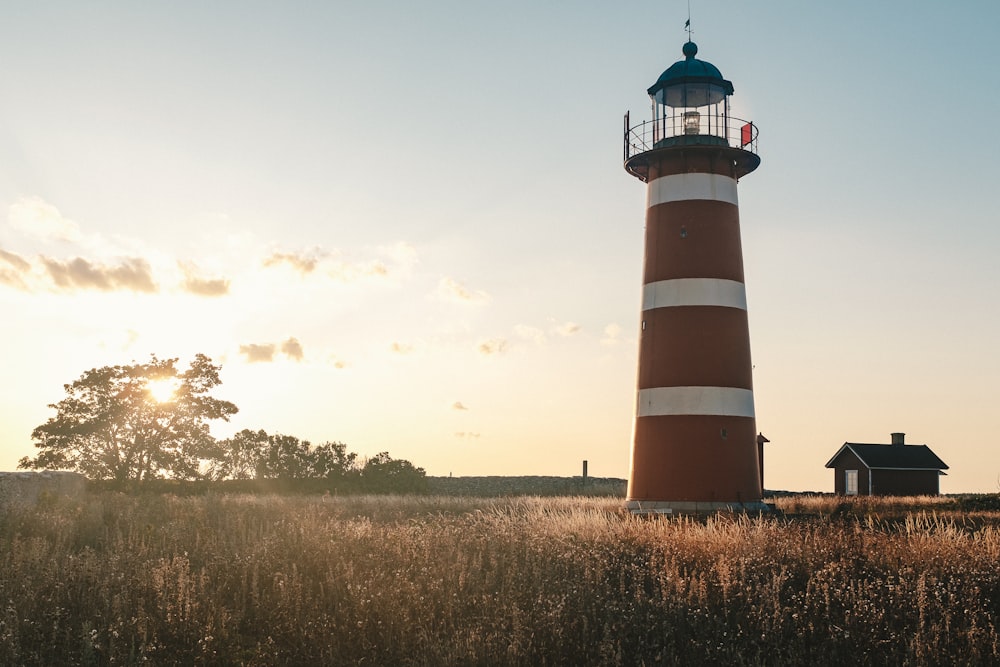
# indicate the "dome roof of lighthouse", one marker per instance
pixel 690 82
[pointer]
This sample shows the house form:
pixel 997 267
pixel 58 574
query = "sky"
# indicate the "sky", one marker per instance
pixel 406 226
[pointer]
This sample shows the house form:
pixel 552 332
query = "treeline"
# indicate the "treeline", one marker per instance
pixel 255 460
pixel 146 426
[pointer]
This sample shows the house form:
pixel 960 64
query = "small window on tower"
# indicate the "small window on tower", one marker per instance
pixel 724 433
pixel 684 232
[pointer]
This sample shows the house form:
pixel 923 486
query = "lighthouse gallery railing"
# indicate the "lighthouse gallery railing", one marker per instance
pixel 677 130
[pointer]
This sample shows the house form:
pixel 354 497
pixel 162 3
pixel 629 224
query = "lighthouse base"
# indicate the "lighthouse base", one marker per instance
pixel 679 507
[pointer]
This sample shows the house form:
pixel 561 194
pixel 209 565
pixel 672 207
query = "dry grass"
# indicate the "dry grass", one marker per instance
pixel 465 581
pixel 829 504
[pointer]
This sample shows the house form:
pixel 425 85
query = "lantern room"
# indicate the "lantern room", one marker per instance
pixel 690 99
pixel 690 108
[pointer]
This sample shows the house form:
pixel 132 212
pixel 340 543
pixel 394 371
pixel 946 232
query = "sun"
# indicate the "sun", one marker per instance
pixel 162 390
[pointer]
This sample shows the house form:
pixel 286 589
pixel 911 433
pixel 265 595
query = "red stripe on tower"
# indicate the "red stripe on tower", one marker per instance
pixel 694 443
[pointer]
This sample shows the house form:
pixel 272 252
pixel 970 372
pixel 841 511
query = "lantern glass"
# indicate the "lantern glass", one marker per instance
pixel 692 122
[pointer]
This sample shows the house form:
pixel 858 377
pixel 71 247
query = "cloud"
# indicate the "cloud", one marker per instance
pixel 304 263
pixel 401 348
pixel 128 274
pixel 530 333
pixel 466 434
pixel 258 353
pixel 292 349
pixel 336 361
pixel 330 263
pixel 347 272
pixel 15 260
pixel 493 346
pixel 458 405
pixel 11 275
pixel 202 286
pixel 206 287
pixel 612 335
pixel 12 279
pixel 539 337
pixel 133 273
pixel 567 329
pixel 36 217
pixel 449 289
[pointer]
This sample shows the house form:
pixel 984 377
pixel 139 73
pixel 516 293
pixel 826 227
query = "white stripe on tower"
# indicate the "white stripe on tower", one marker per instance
pixel 684 187
pixel 694 292
pixel 720 401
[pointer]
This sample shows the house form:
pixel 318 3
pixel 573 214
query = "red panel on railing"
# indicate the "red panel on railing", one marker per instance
pixel 747 134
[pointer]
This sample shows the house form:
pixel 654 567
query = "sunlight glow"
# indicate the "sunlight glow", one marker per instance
pixel 162 390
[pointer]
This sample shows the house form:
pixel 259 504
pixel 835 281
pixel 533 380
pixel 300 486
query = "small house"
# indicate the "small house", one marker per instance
pixel 896 469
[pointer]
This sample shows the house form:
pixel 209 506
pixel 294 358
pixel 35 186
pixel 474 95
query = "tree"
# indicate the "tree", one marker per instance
pixel 332 461
pixel 286 457
pixel 257 455
pixel 240 456
pixel 384 473
pixel 133 423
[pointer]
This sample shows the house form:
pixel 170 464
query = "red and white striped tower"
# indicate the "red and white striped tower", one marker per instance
pixel 695 437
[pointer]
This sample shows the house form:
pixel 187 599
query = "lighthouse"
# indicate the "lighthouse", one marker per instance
pixel 694 445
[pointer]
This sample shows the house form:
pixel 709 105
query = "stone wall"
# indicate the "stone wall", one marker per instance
pixel 27 487
pixel 527 486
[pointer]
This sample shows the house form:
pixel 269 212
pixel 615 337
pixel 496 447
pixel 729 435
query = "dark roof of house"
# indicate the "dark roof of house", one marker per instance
pixel 899 457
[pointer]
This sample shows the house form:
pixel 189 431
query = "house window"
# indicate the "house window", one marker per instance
pixel 851 482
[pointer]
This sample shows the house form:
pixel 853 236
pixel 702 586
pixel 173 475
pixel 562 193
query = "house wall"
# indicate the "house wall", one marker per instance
pixel 848 461
pixel 905 482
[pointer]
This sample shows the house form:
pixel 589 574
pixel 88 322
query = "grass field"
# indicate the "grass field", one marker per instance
pixel 433 580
